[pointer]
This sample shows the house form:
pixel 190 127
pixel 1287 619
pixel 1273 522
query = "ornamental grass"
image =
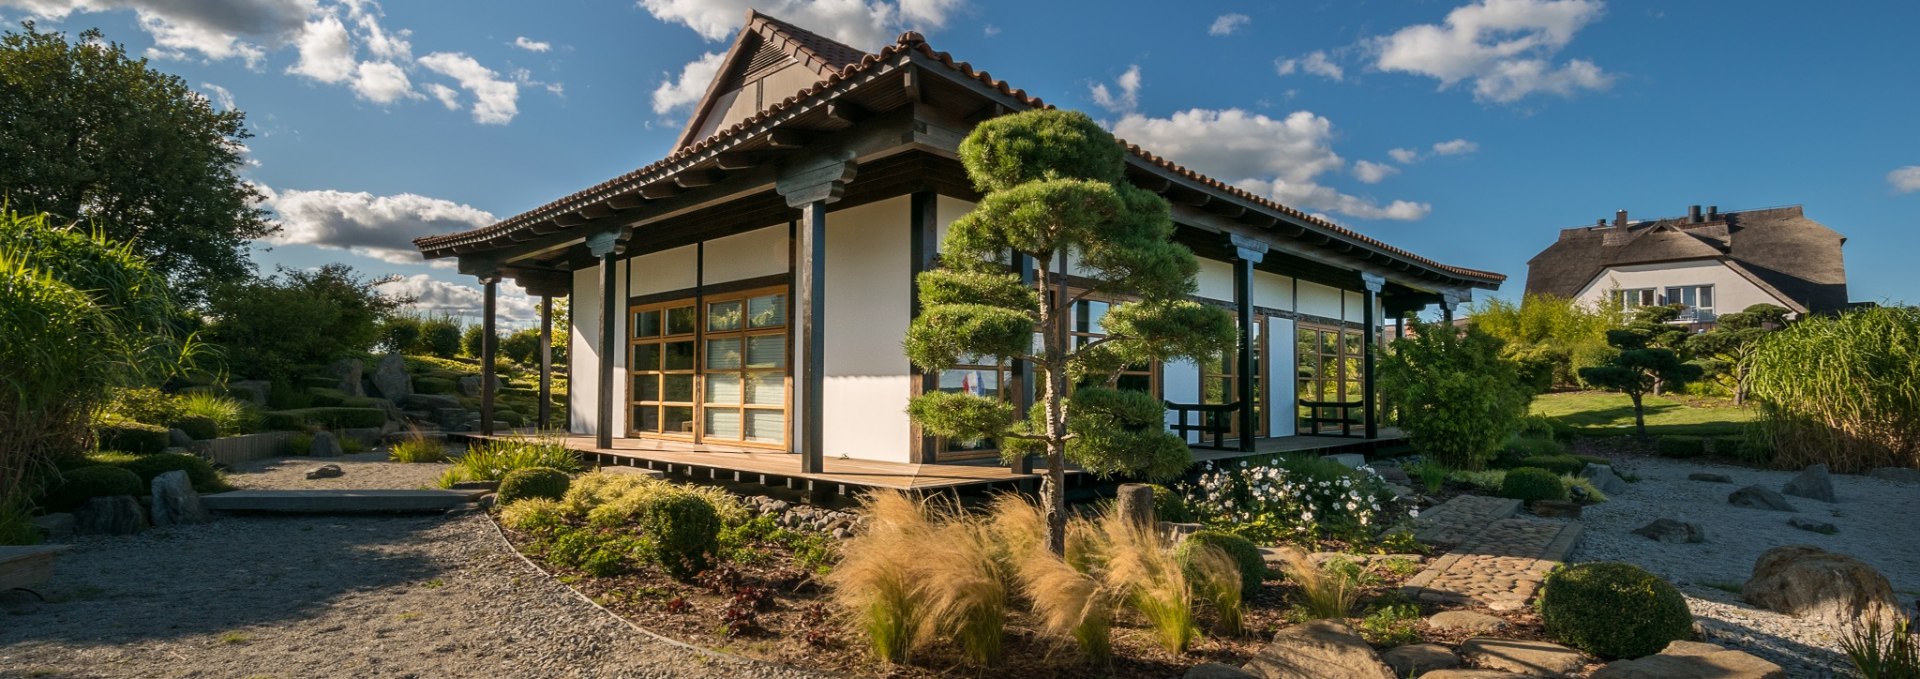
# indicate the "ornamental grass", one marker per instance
pixel 1842 390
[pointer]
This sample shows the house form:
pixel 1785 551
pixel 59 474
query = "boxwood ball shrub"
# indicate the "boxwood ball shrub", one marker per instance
pixel 1681 446
pixel 1253 566
pixel 1533 483
pixel 684 530
pixel 544 482
pixel 1613 610
pixel 77 486
pixel 133 437
pixel 1558 464
pixel 197 427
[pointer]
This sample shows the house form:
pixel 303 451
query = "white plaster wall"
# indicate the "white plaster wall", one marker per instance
pixel 1319 300
pixel 1215 279
pixel 583 355
pixel 663 271
pixel 1180 383
pixel 1731 291
pixel 945 210
pixel 867 376
pixel 1356 307
pixel 1272 291
pixel 1280 377
pixel 761 252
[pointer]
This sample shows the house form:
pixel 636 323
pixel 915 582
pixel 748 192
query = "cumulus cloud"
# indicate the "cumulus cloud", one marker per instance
pixel 531 45
pixel 326 51
pixel 1451 147
pixel 1905 179
pixel 1282 158
pixel 448 96
pixel 1128 97
pixel 674 94
pixel 382 82
pixel 382 227
pixel 220 96
pixel 1316 62
pixel 512 305
pixel 855 22
pixel 1506 48
pixel 215 30
pixel 1369 172
pixel 1404 155
pixel 496 101
pixel 1226 24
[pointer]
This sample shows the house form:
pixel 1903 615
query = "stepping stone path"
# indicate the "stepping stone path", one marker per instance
pixel 1533 658
pixel 1499 563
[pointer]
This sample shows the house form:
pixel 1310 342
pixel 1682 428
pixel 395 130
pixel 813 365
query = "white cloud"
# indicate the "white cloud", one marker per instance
pixel 990 31
pixel 448 96
pixel 382 82
pixel 692 84
pixel 859 23
pixel 531 45
pixel 384 45
pixel 1129 96
pixel 220 96
pixel 1282 158
pixel 326 51
pixel 1905 179
pixel 1454 147
pixel 1316 62
pixel 1369 172
pixel 1226 24
pixel 1505 47
pixel 382 227
pixel 174 39
pixel 495 100
pixel 512 306
pixel 216 31
pixel 1404 156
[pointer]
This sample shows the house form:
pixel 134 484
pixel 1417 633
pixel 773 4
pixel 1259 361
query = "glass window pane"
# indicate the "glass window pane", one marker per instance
pixel 676 388
pixel 723 388
pixel 676 419
pixel 766 389
pixel 767 311
pixel 723 354
pixel 679 356
pixel 648 417
pixel 1706 297
pixel 646 357
pixel 767 351
pixel 722 316
pixel 646 388
pixel 723 423
pixel 766 425
pixel 680 320
pixel 646 324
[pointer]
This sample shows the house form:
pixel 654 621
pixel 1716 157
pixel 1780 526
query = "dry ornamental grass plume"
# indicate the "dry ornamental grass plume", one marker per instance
pixel 875 582
pixel 1069 603
pixel 1139 562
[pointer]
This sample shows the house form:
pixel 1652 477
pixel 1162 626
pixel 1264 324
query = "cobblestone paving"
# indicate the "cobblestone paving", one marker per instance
pixel 1499 565
pixel 1460 518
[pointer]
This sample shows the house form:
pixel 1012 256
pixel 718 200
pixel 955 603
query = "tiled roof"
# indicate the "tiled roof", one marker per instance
pixel 826 50
pixel 910 41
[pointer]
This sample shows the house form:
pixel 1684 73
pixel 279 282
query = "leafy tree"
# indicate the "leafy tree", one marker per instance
pixel 1640 367
pixel 1726 350
pixel 1459 398
pixel 1551 337
pixel 440 336
pixel 1054 191
pixel 522 347
pixel 92 135
pixel 401 333
pixel 271 326
pixel 470 340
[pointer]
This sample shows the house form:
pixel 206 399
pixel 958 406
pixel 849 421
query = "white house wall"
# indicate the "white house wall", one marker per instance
pixel 663 271
pixel 1280 382
pixel 868 305
pixel 1215 279
pixel 583 371
pixel 1319 300
pixel 753 254
pixel 1731 291
pixel 1272 291
pixel 1180 383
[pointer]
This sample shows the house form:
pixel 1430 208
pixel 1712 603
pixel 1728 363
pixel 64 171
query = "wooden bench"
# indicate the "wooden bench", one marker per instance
pixel 1215 422
pixel 1345 419
pixel 27 567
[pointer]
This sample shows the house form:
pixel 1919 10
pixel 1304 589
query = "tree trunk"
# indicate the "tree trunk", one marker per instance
pixel 1053 321
pixel 1639 416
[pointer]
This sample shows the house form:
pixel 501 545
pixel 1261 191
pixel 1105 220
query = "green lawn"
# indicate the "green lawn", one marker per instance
pixel 1598 413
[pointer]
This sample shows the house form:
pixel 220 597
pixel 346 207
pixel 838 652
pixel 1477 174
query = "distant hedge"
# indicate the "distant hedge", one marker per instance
pixel 330 418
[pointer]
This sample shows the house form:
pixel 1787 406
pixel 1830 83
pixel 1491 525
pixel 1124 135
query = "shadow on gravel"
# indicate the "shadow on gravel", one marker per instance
pixel 234 573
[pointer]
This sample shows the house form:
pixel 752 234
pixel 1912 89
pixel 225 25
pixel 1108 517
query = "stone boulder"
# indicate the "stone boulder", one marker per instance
pixel 1394 475
pixel 431 401
pixel 251 391
pixel 178 438
pixel 1813 483
pixel 1896 474
pixel 1603 478
pixel 54 527
pixel 1214 670
pixel 116 515
pixel 1692 660
pixel 1709 477
pixel 1671 531
pixel 1534 658
pixel 348 372
pixel 174 500
pixel 1466 621
pixel 1471 674
pixel 325 471
pixel 325 444
pixel 1813 583
pixel 1418 659
pixel 1813 526
pixel 391 379
pixel 470 385
pixel 1322 649
pixel 1756 497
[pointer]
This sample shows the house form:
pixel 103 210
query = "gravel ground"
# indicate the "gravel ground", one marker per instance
pixel 365 470
pixel 1876 525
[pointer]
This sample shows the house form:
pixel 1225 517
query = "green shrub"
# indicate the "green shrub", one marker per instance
pixel 1170 505
pixel 352 445
pixel 1533 483
pixel 684 531
pixel 329 418
pixel 490 461
pixel 198 428
pixel 417 449
pixel 1488 480
pixel 229 416
pixel 200 472
pixel 1429 474
pixel 1253 566
pixel 16 523
pixel 144 404
pixel 532 515
pixel 299 444
pixel 77 486
pixel 326 397
pixel 1536 427
pixel 1558 464
pixel 1613 610
pixel 1522 447
pixel 133 437
pixel 1842 390
pixel 545 482
pixel 434 385
pixel 284 395
pixel 1680 446
pixel 1458 397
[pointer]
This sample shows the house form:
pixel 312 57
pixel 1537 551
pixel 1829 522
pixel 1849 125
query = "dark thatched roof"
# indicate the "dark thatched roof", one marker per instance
pixel 1779 249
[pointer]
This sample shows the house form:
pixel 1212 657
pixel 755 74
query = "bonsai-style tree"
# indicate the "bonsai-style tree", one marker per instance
pixel 1656 327
pixel 1726 351
pixel 1639 368
pixel 1054 192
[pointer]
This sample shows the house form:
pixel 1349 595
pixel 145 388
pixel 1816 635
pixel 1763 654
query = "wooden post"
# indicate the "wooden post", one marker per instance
pixel 810 388
pixel 922 246
pixel 545 407
pixel 1369 318
pixel 488 339
pixel 603 246
pixel 1134 503
pixel 1248 252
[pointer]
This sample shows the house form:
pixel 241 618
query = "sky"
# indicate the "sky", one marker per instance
pixel 1468 132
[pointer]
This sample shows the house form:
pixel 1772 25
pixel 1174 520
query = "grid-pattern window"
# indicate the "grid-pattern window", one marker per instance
pixel 1330 366
pixel 663 368
pixel 1638 297
pixel 744 369
pixel 1219 383
pixel 980 376
pixel 1696 300
pixel 1085 327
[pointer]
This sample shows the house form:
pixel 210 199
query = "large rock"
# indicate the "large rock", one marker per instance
pixel 54 527
pixel 1603 478
pixel 325 444
pixel 1392 474
pixel 1812 483
pixel 251 391
pixel 1418 659
pixel 1896 474
pixel 1671 531
pixel 1322 649
pixel 1710 477
pixel 1466 621
pixel 1536 658
pixel 1692 660
pixel 1813 526
pixel 116 515
pixel 347 371
pixel 174 500
pixel 1812 583
pixel 1214 670
pixel 1471 674
pixel 326 471
pixel 178 438
pixel 450 419
pixel 391 378
pixel 1760 498
pixel 470 385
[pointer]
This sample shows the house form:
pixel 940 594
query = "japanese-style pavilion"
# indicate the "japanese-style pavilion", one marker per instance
pixel 747 294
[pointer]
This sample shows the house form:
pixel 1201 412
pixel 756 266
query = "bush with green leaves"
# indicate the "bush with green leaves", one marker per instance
pixel 200 472
pixel 1291 498
pixel 229 416
pixel 1680 446
pixel 337 311
pixel 196 427
pixel 684 531
pixel 493 459
pixel 418 449
pixel 143 404
pixel 1550 337
pixel 532 482
pixel 1170 505
pixel 1458 398
pixel 1522 447
pixel 1646 362
pixel 521 347
pixel 1613 610
pixel 300 419
pixel 1253 565
pixel 75 486
pixel 133 437
pixel 1558 464
pixel 1533 484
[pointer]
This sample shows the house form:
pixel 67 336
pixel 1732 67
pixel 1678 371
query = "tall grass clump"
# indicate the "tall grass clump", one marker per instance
pixel 1069 602
pixel 1329 591
pixel 1139 562
pixel 1879 653
pixel 228 415
pixel 877 582
pixel 1842 390
pixel 492 460
pixel 968 592
pixel 417 448
pixel 1216 579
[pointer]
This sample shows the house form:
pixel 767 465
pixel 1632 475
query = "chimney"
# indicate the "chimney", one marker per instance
pixel 1713 213
pixel 1599 222
pixel 1620 218
pixel 1693 214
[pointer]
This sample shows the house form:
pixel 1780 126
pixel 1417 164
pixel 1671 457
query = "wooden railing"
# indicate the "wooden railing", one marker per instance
pixel 1215 420
pixel 1348 418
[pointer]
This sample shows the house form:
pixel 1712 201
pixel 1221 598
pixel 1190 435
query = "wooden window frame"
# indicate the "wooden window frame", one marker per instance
pixel 1002 371
pixel 1348 350
pixel 634 372
pixel 1075 335
pixel 1229 371
pixel 701 335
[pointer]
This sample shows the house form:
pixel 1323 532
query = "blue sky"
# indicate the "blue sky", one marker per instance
pixel 1467 132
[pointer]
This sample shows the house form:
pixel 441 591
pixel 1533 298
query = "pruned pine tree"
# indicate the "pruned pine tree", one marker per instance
pixel 1639 369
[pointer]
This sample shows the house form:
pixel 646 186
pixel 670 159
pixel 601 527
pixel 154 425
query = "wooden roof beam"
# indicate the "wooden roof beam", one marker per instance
pixel 846 112
pixel 734 161
pixel 691 179
pixel 626 201
pixel 659 191
pixel 595 211
pixel 787 139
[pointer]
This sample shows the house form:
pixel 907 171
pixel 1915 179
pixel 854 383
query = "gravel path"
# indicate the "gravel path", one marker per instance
pixel 1876 526
pixel 365 470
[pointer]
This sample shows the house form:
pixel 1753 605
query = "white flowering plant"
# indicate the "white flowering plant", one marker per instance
pixel 1280 499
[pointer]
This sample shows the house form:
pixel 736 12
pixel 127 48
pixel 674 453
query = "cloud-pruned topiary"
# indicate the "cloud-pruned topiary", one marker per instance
pixel 1253 566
